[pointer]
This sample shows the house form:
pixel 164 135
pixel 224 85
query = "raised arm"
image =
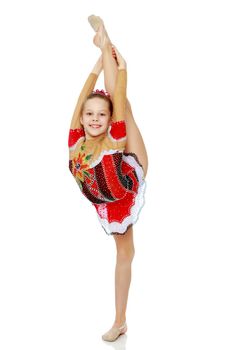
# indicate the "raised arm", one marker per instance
pixel 86 90
pixel 119 96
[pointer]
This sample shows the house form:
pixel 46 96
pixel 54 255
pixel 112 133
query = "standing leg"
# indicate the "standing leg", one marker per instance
pixel 134 142
pixel 124 258
pixel 125 255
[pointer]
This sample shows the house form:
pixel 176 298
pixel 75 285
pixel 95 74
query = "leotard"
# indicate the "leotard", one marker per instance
pixel 110 178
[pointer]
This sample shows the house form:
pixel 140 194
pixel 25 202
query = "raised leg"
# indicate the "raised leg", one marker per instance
pixel 135 142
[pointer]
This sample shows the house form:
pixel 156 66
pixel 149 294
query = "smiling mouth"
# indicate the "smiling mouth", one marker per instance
pixel 95 126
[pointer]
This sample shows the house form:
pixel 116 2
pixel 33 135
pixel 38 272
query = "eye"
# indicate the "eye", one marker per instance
pixel 89 113
pixel 102 113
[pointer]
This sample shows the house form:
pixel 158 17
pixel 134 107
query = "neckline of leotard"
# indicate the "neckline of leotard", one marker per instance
pixel 97 138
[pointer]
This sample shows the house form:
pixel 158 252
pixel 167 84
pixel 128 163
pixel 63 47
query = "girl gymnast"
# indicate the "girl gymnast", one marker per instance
pixel 108 159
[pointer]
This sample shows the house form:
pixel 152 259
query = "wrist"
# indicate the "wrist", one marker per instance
pixel 97 69
pixel 98 66
pixel 122 66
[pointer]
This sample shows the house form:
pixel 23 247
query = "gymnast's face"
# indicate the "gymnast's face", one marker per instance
pixel 95 117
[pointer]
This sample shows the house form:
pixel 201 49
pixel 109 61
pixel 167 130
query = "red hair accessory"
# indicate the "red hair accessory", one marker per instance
pixel 101 92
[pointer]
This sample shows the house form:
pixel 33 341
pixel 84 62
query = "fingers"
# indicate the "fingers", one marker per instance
pixel 114 54
pixel 119 59
pixel 118 55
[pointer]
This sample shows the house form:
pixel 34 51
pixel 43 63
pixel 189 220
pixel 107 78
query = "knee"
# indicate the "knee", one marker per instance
pixel 125 255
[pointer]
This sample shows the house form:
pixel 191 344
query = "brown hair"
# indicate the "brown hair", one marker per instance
pixel 107 99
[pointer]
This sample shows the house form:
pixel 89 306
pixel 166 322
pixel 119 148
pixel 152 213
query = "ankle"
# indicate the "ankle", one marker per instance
pixel 119 323
pixel 107 46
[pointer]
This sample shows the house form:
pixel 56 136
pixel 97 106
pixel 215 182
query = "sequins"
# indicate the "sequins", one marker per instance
pixel 110 181
pixel 74 136
pixel 117 130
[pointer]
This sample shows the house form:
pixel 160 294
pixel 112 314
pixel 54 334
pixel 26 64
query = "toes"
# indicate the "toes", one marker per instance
pixel 95 22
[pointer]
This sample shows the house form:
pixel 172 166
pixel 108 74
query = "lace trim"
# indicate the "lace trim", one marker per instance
pixel 134 155
pixel 103 153
pixel 121 228
pixel 134 161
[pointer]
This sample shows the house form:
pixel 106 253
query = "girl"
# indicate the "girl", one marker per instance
pixel 108 159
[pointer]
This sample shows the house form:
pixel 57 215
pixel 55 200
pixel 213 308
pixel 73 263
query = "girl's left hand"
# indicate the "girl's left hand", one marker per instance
pixel 118 57
pixel 114 54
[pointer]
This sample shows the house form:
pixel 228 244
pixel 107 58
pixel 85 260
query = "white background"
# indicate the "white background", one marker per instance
pixel 56 262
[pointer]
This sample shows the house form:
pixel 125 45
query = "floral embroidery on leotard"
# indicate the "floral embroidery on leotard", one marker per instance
pixel 79 166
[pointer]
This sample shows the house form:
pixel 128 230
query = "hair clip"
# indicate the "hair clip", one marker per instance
pixel 101 92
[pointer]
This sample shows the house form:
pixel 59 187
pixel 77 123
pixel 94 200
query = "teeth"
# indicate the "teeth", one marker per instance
pixel 95 126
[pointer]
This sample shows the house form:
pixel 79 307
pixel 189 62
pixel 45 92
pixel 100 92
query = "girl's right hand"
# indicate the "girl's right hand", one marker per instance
pixel 119 59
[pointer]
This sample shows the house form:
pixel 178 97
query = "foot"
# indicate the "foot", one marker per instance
pixel 115 332
pixel 95 22
pixel 101 38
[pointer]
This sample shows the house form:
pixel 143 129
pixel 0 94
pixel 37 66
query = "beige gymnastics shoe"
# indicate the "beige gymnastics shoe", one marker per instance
pixel 95 22
pixel 114 332
pixel 101 38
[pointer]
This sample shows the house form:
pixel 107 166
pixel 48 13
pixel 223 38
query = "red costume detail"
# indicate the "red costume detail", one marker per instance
pixel 118 129
pixel 74 136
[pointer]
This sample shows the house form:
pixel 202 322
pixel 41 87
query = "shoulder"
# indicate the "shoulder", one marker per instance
pixel 117 130
pixel 74 136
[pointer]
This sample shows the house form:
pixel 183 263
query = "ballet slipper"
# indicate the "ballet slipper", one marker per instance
pixel 101 38
pixel 114 332
pixel 95 22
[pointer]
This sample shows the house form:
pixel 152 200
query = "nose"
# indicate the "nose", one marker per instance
pixel 95 117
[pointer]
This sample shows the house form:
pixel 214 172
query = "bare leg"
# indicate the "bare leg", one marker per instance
pixel 134 143
pixel 125 254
